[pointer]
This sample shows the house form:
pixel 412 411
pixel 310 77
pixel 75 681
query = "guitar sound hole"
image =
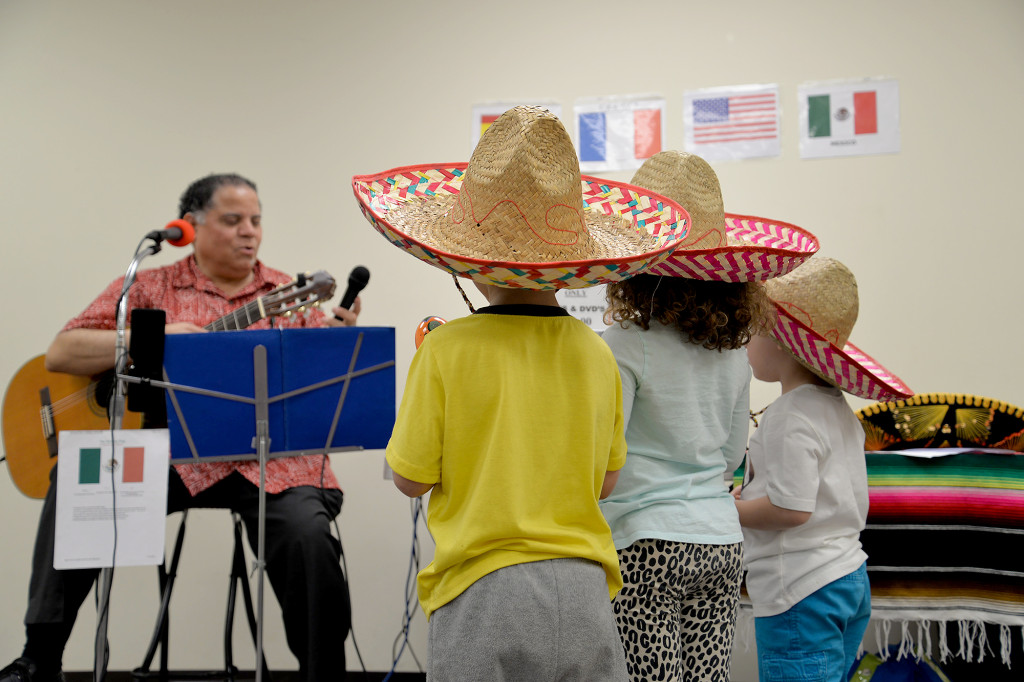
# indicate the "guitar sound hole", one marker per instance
pixel 100 393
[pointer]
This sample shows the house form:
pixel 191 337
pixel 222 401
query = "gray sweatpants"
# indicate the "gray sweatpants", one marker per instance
pixel 532 622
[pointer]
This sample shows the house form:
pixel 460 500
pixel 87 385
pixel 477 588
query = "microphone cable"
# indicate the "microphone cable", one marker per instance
pixel 324 459
pixel 411 600
pixel 103 605
pixel 344 568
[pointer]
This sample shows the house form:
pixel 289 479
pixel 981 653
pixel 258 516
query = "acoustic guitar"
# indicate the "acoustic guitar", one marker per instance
pixel 39 404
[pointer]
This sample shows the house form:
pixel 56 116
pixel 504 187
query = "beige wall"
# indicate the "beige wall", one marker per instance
pixel 109 108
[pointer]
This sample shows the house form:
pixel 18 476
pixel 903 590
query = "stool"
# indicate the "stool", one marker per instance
pixel 160 633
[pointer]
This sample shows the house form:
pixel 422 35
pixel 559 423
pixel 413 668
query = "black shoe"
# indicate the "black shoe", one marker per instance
pixel 26 670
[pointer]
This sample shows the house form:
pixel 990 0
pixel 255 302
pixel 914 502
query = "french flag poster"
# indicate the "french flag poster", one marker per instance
pixel 849 118
pixel 730 123
pixel 486 114
pixel 618 133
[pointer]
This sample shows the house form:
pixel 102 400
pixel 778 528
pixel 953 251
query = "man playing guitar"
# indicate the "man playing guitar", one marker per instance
pixel 303 496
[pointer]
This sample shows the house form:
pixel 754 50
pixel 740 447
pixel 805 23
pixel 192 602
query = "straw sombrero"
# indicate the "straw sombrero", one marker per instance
pixel 942 420
pixel 817 305
pixel 720 246
pixel 519 214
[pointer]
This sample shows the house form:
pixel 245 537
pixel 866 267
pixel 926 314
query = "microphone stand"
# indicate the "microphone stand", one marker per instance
pixel 117 405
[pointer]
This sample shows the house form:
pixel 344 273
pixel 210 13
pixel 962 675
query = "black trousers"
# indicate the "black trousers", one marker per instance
pixel 302 558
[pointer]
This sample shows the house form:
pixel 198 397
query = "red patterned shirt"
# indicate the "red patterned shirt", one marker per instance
pixel 187 295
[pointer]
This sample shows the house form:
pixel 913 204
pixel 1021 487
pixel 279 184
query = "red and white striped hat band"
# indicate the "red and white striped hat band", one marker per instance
pixel 817 306
pixel 849 368
pixel 520 215
pixel 720 246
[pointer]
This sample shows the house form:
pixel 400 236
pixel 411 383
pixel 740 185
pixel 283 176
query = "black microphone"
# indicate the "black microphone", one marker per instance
pixel 177 233
pixel 357 279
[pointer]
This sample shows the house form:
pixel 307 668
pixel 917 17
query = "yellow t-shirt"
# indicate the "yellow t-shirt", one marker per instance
pixel 517 412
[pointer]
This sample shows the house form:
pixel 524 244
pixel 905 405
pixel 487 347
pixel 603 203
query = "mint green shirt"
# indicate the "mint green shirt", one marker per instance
pixel 687 411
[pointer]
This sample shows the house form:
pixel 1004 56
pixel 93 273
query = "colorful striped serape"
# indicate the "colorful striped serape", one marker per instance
pixel 945 528
pixel 945 542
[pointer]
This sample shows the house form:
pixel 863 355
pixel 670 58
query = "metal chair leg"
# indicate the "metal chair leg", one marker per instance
pixel 160 636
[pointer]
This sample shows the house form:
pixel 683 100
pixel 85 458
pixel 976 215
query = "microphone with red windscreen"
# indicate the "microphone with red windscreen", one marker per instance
pixel 177 233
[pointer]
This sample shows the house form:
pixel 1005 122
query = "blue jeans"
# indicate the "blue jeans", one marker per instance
pixel 816 640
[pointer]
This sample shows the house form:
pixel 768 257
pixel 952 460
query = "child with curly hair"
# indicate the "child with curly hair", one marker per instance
pixel 678 340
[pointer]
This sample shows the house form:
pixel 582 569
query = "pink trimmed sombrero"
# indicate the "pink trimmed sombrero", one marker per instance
pixel 817 305
pixel 519 214
pixel 720 246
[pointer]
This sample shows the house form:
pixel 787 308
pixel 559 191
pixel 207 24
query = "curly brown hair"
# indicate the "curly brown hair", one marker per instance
pixel 715 315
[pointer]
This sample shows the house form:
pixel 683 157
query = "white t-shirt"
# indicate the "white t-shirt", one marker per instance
pixel 806 455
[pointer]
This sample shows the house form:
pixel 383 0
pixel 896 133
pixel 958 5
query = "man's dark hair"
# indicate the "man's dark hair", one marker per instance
pixel 199 195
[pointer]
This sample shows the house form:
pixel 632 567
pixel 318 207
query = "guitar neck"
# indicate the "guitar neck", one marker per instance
pixel 239 318
pixel 295 296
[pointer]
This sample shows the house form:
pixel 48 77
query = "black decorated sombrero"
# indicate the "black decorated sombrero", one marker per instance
pixel 943 420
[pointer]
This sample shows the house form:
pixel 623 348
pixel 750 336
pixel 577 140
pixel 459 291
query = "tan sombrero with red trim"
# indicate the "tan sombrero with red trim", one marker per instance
pixel 519 214
pixel 720 246
pixel 817 305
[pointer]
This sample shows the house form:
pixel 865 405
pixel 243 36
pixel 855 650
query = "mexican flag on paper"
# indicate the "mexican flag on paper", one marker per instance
pixel 849 118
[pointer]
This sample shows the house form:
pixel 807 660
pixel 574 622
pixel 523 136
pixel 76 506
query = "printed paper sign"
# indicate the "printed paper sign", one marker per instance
pixel 618 133
pixel 732 123
pixel 587 305
pixel 849 118
pixel 105 492
pixel 486 114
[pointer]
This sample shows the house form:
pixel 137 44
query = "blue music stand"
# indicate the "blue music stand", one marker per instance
pixel 278 393
pixel 327 390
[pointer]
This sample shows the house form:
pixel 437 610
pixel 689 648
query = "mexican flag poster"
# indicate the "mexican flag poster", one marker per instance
pixel 849 118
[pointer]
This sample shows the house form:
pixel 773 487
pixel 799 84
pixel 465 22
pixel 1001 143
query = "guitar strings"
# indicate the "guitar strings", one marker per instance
pixel 70 400
pixel 251 312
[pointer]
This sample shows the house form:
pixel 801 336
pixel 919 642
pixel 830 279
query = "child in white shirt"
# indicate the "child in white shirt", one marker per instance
pixel 804 498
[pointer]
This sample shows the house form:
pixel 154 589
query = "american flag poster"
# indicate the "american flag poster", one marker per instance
pixel 486 114
pixel 849 118
pixel 618 133
pixel 733 122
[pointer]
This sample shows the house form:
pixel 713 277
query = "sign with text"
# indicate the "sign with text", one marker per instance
pixel 586 305
pixel 111 493
pixel 849 118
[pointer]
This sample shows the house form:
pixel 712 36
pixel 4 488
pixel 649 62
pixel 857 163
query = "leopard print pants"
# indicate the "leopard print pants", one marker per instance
pixel 677 609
